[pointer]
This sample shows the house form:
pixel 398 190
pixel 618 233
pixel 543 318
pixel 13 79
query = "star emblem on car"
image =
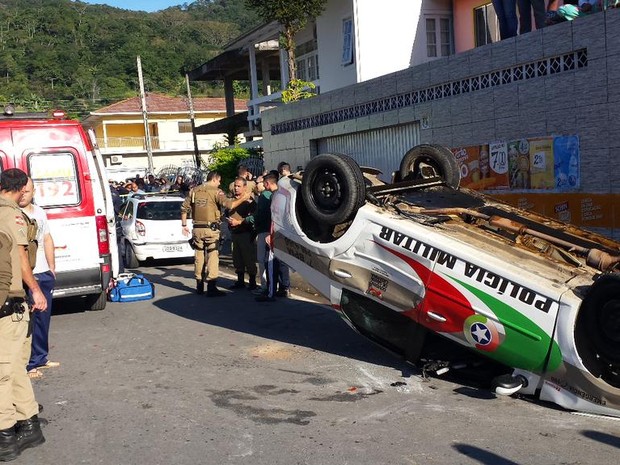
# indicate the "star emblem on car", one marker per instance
pixel 480 333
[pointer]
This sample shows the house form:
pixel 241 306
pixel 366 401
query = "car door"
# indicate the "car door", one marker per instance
pixel 127 217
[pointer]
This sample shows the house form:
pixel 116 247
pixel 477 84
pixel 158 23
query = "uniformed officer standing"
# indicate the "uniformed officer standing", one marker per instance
pixel 205 202
pixel 19 423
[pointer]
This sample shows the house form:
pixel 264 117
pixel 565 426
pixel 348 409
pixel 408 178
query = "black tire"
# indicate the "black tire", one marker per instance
pixel 333 188
pixel 97 302
pixel 428 161
pixel 130 257
pixel 597 332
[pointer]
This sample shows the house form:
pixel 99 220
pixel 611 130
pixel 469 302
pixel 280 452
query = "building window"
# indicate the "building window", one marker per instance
pixel 307 61
pixel 486 29
pixel 308 67
pixel 185 127
pixel 347 41
pixel 438 37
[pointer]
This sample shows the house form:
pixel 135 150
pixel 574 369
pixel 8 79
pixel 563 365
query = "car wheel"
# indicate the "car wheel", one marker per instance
pixel 597 332
pixel 333 188
pixel 97 301
pixel 429 161
pixel 130 257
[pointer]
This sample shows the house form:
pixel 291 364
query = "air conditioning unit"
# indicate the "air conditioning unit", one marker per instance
pixel 116 159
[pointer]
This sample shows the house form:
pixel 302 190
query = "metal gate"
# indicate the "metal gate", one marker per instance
pixel 379 148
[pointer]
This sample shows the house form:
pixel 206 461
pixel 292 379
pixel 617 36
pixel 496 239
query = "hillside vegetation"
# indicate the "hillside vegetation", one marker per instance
pixel 69 54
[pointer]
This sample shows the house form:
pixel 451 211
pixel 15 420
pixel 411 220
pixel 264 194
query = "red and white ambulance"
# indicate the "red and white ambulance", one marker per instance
pixel 71 184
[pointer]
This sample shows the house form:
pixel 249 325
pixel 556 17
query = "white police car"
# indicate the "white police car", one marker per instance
pixel 151 228
pixel 420 260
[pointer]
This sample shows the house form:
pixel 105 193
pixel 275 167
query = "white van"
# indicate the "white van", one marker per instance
pixel 71 184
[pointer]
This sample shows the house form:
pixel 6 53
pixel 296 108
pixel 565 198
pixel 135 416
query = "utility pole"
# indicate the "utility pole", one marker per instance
pixel 147 131
pixel 191 117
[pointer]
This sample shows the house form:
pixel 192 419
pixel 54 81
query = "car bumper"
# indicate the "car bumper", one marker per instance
pixel 162 251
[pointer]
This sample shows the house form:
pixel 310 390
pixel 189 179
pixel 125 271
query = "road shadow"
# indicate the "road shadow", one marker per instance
pixel 290 321
pixel 482 456
pixel 603 438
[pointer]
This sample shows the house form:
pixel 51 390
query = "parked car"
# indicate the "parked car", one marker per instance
pixel 407 261
pixel 151 228
pixel 71 185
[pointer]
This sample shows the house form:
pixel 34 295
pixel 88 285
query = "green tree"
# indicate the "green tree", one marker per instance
pixel 79 57
pixel 298 90
pixel 225 161
pixel 293 15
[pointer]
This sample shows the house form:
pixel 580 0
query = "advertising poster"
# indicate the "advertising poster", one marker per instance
pixel 483 166
pixel 541 163
pixel 519 164
pixel 467 158
pixel 498 164
pixel 581 209
pixel 566 162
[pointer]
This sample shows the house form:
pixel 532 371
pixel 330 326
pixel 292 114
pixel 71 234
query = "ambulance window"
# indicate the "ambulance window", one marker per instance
pixel 55 179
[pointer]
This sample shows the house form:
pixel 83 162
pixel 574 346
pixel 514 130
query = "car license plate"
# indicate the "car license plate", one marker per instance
pixel 173 248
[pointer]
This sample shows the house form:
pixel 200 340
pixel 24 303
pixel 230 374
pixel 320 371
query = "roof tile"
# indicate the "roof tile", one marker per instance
pixel 159 103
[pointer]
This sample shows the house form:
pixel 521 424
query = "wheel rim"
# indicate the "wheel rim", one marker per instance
pixel 427 168
pixel 327 190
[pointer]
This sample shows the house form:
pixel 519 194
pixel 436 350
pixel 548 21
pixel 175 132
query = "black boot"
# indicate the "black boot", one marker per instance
pixel 212 290
pixel 252 282
pixel 239 284
pixel 29 433
pixel 8 445
pixel 200 286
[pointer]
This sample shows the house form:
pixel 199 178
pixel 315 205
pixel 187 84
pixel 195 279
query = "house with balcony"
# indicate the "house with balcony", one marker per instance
pixel 353 41
pixel 121 130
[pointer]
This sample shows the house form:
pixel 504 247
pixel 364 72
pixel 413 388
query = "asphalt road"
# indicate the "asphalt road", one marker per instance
pixel 183 379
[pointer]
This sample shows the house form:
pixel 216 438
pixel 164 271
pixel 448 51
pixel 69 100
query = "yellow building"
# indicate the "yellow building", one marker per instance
pixel 121 131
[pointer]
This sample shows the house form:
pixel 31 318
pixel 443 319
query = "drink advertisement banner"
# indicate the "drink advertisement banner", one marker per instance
pixel 542 163
pixel 483 166
pixel 566 162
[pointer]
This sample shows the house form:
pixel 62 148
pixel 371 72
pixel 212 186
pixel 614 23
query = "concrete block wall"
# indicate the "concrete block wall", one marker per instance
pixel 580 100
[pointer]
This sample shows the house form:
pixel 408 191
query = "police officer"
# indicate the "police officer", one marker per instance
pixel 19 423
pixel 205 203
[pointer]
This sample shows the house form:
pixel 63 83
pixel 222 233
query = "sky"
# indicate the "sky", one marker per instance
pixel 141 5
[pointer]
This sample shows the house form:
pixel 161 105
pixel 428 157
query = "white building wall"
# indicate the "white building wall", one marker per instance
pixel 333 74
pixel 385 31
pixel 390 35
pixel 430 9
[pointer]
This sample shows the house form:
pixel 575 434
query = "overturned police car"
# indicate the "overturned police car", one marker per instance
pixel 405 261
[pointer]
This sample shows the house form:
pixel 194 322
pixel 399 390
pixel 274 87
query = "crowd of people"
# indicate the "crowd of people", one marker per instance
pixel 150 184
pixel 246 212
pixel 555 11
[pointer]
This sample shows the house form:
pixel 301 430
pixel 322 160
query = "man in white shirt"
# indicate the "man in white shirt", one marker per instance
pixel 45 274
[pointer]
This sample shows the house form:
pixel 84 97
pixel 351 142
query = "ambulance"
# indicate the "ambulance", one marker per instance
pixel 71 185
